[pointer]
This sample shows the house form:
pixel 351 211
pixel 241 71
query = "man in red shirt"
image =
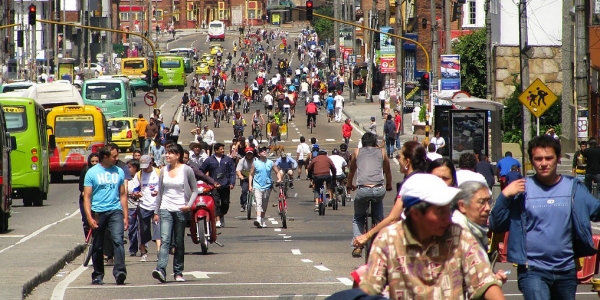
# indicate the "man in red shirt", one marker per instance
pixel 398 122
pixel 311 112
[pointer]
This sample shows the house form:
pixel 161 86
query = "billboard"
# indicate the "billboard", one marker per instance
pixel 450 72
pixel 387 58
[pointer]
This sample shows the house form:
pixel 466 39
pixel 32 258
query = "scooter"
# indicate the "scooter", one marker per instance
pixel 203 226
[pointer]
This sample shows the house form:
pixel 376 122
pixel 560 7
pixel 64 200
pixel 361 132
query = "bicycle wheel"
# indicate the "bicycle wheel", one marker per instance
pixel 368 225
pixel 334 205
pixel 87 251
pixel 344 194
pixel 311 126
pixel 249 202
pixel 283 215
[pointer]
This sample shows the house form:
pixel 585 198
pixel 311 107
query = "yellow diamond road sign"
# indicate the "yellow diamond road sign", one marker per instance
pixel 537 98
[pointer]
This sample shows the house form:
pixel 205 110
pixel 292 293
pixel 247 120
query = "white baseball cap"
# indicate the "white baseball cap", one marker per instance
pixel 466 175
pixel 428 188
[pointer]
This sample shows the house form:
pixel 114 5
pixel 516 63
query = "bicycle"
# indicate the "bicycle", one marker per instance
pixel 87 251
pixel 322 200
pixel 250 202
pixel 311 124
pixel 217 121
pixel 257 133
pixel 286 114
pixel 282 205
pixel 206 111
pixel 341 191
pixel 246 105
pixel 229 114
pixel 185 111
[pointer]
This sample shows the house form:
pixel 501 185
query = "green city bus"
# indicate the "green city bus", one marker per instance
pixel 112 95
pixel 171 71
pixel 26 121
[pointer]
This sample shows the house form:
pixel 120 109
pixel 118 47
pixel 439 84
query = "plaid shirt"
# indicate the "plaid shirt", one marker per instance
pixel 450 268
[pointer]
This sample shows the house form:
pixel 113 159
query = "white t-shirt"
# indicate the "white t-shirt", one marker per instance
pixel 438 142
pixel 382 95
pixel 339 163
pixel 149 183
pixel 268 99
pixel 304 86
pixel 208 137
pixel 303 150
pixel 316 99
pixel 173 194
pixel 339 101
pixel 433 156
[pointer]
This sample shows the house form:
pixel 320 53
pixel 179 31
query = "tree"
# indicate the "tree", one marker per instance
pixel 472 62
pixel 323 27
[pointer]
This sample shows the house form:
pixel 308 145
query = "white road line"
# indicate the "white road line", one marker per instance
pixel 271 219
pixel 322 268
pixel 277 229
pixel 306 260
pixel 296 252
pixel 228 141
pixel 35 233
pixel 12 236
pixel 132 286
pixel 274 222
pixel 330 140
pixel 281 234
pixel 287 236
pixel 163 105
pixel 346 281
pixel 59 291
pixel 295 140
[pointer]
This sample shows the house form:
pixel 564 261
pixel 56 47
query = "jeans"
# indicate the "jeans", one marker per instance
pixel 221 197
pixel 147 146
pixel 581 177
pixel 398 146
pixel 142 141
pixel 113 221
pixel 361 204
pixel 318 182
pixel 244 196
pixel 389 146
pixel 172 231
pixel 538 284
pixel 132 231
pixel 588 181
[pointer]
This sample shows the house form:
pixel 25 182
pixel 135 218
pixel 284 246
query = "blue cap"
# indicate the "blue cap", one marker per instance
pixel 316 146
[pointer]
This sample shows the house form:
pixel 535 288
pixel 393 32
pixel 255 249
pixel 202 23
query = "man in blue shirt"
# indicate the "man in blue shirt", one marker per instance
pixel 221 168
pixel 286 164
pixel 504 165
pixel 105 205
pixel 548 216
pixel 330 107
pixel 261 184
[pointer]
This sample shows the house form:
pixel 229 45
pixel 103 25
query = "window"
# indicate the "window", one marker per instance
pixel 16 118
pixel 158 15
pixel 124 16
pixel 224 14
pixel 175 15
pixel 192 11
pixel 103 91
pixel 471 12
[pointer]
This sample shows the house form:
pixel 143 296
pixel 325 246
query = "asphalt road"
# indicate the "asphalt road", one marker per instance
pixel 309 260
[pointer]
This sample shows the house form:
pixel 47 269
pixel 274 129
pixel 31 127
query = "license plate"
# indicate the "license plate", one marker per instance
pixel 76 157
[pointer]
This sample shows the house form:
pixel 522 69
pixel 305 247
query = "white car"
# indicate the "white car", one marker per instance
pixel 94 68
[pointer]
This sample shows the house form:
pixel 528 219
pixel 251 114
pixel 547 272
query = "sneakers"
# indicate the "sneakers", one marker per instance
pixel 144 258
pixel 218 224
pixel 264 225
pixel 257 224
pixel 316 207
pixel 242 209
pixel 179 278
pixel 121 278
pixel 291 185
pixel 97 281
pixel 159 275
pixel 132 253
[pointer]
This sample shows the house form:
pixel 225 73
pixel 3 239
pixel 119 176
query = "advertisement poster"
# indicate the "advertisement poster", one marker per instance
pixel 467 132
pixel 66 71
pixel 387 58
pixel 450 71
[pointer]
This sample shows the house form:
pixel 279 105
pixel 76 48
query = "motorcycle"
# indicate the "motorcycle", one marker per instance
pixel 203 226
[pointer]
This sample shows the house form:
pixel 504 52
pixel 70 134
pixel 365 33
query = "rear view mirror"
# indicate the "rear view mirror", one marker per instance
pixel 52 141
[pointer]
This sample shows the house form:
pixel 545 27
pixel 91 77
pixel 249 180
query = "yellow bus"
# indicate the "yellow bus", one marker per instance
pixel 134 69
pixel 75 132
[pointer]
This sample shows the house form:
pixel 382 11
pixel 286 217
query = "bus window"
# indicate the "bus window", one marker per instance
pixel 74 126
pixel 16 118
pixel 133 64
pixel 103 91
pixel 170 64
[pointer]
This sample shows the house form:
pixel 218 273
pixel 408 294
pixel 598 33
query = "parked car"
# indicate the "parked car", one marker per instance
pixel 123 133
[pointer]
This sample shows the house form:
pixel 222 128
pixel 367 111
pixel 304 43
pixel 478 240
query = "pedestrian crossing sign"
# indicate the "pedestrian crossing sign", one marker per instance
pixel 537 98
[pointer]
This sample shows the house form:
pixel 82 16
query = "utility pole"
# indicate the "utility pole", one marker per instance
pixel 488 51
pixel 581 60
pixel 434 53
pixel 336 29
pixel 524 62
pixel 400 59
pixel 447 29
pixel 64 39
pixel 355 51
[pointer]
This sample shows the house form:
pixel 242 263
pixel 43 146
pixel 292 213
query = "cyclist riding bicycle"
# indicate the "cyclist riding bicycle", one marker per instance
pixel 184 101
pixel 247 92
pixel 229 102
pixel 216 106
pixel 286 164
pixel 321 170
pixel 236 98
pixel 255 88
pixel 311 113
pixel 239 123
pixel 257 120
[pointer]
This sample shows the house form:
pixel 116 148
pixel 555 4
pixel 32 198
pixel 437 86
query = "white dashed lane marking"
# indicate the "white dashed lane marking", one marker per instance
pixel 296 252
pixel 322 268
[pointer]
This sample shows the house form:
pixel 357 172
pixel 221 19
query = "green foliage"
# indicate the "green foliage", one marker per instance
pixel 323 27
pixel 423 113
pixel 473 62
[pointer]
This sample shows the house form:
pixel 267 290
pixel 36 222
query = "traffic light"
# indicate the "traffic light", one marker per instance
pixel 148 77
pixel 155 79
pixel 309 10
pixel 19 38
pixel 424 82
pixel 32 14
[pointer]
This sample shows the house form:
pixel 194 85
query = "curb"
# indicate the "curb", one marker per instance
pixel 52 270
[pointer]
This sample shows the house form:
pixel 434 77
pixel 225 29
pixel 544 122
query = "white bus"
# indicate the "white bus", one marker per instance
pixel 54 94
pixel 216 30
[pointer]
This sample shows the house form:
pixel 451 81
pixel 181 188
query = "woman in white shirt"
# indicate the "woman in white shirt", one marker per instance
pixel 177 192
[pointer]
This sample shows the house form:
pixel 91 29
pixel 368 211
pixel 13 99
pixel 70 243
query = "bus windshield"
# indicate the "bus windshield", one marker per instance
pixel 16 118
pixel 133 64
pixel 15 88
pixel 74 126
pixel 103 91
pixel 170 64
